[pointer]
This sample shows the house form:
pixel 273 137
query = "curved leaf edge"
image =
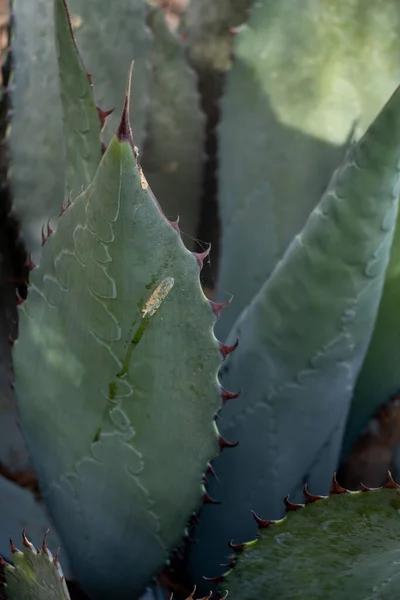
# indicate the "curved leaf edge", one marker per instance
pixel 290 507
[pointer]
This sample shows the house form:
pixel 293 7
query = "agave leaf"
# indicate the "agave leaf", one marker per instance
pixel 379 379
pixel 102 28
pixel 115 301
pixel 302 343
pixel 20 510
pixel 38 158
pixel 35 574
pixel 173 151
pixel 341 546
pixel 287 114
pixel 81 117
pixel 36 152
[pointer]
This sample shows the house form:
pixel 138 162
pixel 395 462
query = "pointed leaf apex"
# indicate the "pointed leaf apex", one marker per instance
pixel 124 132
pixel 13 548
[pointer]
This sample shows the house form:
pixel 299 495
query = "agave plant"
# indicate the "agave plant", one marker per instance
pixel 124 393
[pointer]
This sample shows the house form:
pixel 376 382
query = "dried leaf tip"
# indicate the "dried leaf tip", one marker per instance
pixel 124 133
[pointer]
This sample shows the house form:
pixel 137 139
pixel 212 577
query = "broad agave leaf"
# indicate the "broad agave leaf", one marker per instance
pixel 35 574
pixel 37 157
pixel 287 115
pixel 302 343
pixel 341 546
pixel 82 119
pixel 173 150
pixel 116 375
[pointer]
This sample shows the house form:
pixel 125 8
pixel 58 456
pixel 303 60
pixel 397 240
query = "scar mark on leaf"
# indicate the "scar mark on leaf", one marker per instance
pixel 157 297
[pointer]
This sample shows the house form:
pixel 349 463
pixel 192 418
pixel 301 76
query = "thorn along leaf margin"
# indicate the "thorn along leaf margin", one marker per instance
pixel 16 574
pixel 336 489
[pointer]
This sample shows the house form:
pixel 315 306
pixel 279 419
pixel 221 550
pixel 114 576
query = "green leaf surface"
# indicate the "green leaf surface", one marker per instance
pixel 173 150
pixel 35 575
pixel 115 302
pixel 37 148
pixel 81 118
pixel 37 151
pixel 379 379
pixel 342 546
pixel 302 343
pixel 287 114
pixel 109 36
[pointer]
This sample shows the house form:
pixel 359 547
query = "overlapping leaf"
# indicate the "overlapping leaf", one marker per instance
pixel 302 343
pixel 116 370
pixel 82 121
pixel 36 144
pixel 288 113
pixel 343 546
pixel 35 574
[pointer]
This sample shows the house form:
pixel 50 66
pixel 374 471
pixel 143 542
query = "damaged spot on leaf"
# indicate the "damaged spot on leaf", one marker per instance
pixel 157 297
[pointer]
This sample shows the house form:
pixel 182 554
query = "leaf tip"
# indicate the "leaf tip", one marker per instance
pixel 124 132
